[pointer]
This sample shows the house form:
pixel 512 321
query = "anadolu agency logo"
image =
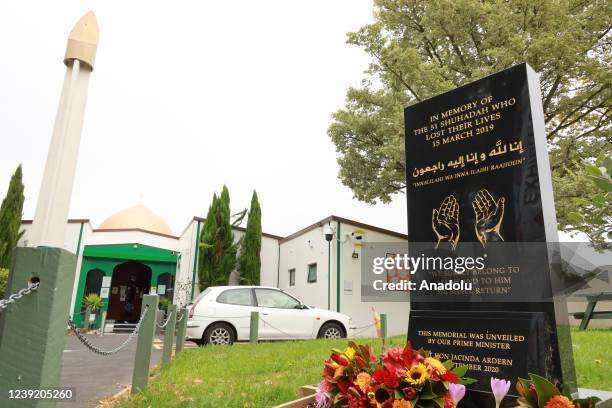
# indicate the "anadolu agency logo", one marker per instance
pixel 396 270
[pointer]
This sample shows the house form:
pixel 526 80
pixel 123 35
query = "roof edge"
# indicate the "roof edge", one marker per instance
pixel 335 218
pixel 70 221
pixel 136 230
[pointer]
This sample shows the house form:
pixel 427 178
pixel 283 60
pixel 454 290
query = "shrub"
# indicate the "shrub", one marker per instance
pixel 3 281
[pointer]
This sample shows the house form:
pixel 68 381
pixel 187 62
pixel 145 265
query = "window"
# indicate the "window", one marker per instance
pixel 292 277
pixel 241 297
pixel 312 273
pixel 275 298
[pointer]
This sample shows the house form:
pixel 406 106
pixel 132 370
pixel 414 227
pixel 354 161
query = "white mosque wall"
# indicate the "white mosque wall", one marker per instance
pixel 110 237
pixel 350 275
pixel 268 256
pixel 311 247
pixel 185 266
pixel 299 252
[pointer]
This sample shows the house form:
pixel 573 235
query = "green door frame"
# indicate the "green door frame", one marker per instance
pixel 107 257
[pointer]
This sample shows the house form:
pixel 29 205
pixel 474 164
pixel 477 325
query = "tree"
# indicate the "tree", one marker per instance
pixel 10 218
pixel 594 217
pixel 217 257
pixel 249 261
pixel 423 48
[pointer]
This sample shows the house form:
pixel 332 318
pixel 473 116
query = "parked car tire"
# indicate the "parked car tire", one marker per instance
pixel 331 330
pixel 218 334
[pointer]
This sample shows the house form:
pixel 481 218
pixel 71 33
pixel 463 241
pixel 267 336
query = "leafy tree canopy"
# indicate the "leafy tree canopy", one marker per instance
pixel 423 48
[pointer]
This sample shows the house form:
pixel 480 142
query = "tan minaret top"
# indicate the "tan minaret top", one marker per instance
pixel 83 41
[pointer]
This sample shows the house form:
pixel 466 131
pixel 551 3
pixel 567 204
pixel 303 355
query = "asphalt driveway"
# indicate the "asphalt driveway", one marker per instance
pixel 95 377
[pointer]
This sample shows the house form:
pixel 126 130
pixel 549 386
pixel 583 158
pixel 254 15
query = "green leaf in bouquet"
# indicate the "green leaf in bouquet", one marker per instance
pixel 427 393
pixel 439 387
pixel 439 402
pixel 467 381
pixel 448 364
pixel 426 403
pixel 526 403
pixel 544 388
pixel 398 394
pixel 460 370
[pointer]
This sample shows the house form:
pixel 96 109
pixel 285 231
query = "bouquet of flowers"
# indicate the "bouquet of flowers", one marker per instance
pixel 538 392
pixel 400 378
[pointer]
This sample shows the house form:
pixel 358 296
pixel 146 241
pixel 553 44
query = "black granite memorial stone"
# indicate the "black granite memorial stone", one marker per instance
pixel 478 183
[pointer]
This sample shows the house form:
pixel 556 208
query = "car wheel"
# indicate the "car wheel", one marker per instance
pixel 218 334
pixel 331 330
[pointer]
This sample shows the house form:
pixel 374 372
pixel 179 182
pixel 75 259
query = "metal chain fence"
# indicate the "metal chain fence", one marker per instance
pixel 18 295
pixel 161 326
pixel 97 350
pixel 181 318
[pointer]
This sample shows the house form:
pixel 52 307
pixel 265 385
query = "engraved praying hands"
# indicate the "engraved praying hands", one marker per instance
pixel 489 216
pixel 445 221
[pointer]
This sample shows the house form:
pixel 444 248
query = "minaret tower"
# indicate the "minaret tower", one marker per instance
pixel 49 225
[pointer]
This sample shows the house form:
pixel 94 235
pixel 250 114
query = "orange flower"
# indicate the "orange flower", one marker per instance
pixel 435 365
pixel 559 401
pixel 401 404
pixel 363 381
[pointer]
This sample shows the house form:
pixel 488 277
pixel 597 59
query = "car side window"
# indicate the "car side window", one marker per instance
pixel 241 297
pixel 275 298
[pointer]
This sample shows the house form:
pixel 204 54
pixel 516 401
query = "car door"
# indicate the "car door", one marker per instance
pixel 282 316
pixel 235 306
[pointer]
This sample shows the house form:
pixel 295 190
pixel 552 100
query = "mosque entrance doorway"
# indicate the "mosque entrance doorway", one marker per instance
pixel 131 280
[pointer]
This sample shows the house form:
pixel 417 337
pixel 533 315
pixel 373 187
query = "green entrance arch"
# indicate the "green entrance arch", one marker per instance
pixel 135 266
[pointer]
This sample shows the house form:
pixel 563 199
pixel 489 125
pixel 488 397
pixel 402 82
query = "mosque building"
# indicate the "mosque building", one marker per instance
pixel 134 252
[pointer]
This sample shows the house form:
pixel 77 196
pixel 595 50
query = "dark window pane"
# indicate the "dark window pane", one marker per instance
pixel 240 297
pixel 312 273
pixel 291 277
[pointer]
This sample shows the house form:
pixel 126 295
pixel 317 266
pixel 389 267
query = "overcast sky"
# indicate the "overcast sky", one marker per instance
pixel 187 96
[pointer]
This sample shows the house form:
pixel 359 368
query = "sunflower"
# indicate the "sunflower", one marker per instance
pixel 559 401
pixel 417 375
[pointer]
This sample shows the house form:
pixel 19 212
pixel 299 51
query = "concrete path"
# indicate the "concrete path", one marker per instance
pixel 94 376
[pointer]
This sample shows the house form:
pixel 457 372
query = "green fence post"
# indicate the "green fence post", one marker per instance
pixel 86 320
pixel 181 331
pixel 169 335
pixel 254 328
pixel 383 325
pixel 144 344
pixel 33 328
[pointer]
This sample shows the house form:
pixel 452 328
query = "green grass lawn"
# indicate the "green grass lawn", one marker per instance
pixel 271 373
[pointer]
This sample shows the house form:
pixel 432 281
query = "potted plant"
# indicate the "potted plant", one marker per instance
pixel 93 304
